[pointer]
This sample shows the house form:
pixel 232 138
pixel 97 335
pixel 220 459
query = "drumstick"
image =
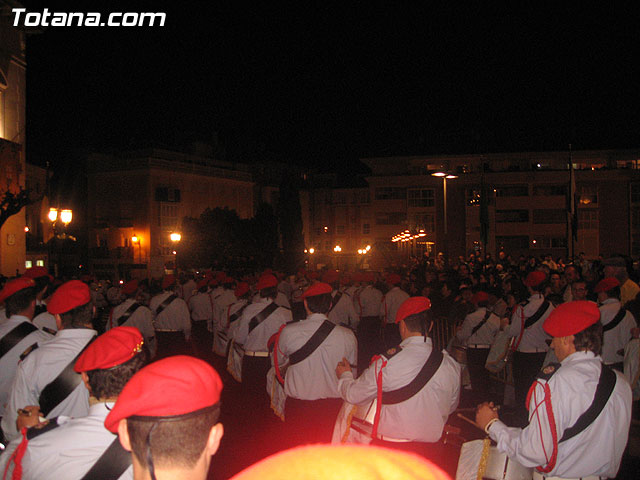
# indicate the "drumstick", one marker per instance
pixel 470 421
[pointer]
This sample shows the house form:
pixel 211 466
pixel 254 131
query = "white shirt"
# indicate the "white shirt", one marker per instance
pixel 188 289
pixel 174 317
pixel 618 337
pixel 141 318
pixel 9 361
pixel 315 377
pixel 533 339
pixel 598 449
pixel 422 417
pixel 69 450
pixel 391 303
pixel 343 313
pixel 256 340
pixel 367 301
pixel 485 334
pixel 226 298
pixel 46 320
pixel 201 307
pixel 281 299
pixel 40 368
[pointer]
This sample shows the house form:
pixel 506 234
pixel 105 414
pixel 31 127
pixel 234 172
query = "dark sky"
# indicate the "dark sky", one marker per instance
pixel 322 83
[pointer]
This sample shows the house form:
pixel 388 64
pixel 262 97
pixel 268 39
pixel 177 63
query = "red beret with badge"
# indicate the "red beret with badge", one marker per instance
pixel 69 296
pixel 411 306
pixel 317 289
pixel 112 348
pixel 267 280
pixel 14 286
pixel 535 278
pixel 170 387
pixel 606 284
pixel 571 317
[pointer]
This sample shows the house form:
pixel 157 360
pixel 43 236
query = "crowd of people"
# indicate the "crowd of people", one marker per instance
pixel 92 371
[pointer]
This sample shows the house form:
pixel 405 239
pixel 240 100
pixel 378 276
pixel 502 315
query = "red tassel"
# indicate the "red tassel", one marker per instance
pixel 376 419
pixel 552 425
pixel 275 355
pixel 16 457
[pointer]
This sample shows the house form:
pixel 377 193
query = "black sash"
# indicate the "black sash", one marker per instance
pixel 15 336
pixel 335 301
pixel 424 375
pixel 606 384
pixel 314 342
pixel 262 316
pixel 536 316
pixel 615 321
pixel 128 312
pixel 60 388
pixel 111 464
pixel 165 304
pixel 39 309
pixel 238 314
pixel 481 323
pixel 33 432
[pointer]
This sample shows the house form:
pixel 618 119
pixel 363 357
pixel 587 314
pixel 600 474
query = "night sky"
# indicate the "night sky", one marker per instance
pixel 323 84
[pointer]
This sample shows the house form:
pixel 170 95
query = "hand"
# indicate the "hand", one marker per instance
pixel 486 412
pixel 343 366
pixel 504 323
pixel 28 417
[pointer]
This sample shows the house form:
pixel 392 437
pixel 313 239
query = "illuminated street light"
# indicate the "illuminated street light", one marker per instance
pixel 368 247
pixel 53 214
pixel 134 239
pixel 337 248
pixel 312 250
pixel 175 237
pixel 26 229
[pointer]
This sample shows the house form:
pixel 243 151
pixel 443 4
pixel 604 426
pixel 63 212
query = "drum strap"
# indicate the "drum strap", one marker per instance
pixel 335 301
pixel 237 314
pixel 262 315
pixel 128 312
pixel 15 336
pixel 111 464
pixel 165 304
pixel 536 316
pixel 61 387
pixel 313 343
pixel 414 386
pixel 481 323
pixel 615 321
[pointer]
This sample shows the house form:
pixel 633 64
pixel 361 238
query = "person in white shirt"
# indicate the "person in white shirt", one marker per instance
pixel 367 301
pixel 342 311
pixel 70 447
pixel 555 441
pixel 201 307
pixel 411 421
pixel 313 400
pixel 388 309
pixel 172 320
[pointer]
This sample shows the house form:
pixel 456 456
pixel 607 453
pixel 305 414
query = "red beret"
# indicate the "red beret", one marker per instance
pixel 112 348
pixel 412 306
pixel 535 278
pixel 220 276
pixel 317 289
pixel 14 286
pixel 393 279
pixel 172 386
pixel 69 296
pixel 480 297
pixel 37 272
pixel 267 280
pixel 241 289
pixel 346 279
pixel 339 462
pixel 571 317
pixel 357 277
pixel 167 281
pixel 368 277
pixel 202 283
pixel 606 284
pixel 213 282
pixel 130 287
pixel 330 277
pixel 229 279
pixel 313 275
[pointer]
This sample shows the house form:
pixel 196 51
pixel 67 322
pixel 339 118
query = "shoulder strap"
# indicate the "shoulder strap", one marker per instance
pixel 536 316
pixel 313 343
pixel 30 349
pixel 15 336
pixel 335 301
pixel 482 322
pixel 128 312
pixel 36 431
pixel 111 464
pixel 606 384
pixel 165 304
pixel 414 386
pixel 238 313
pixel 615 321
pixel 60 388
pixel 262 315
pixel 39 309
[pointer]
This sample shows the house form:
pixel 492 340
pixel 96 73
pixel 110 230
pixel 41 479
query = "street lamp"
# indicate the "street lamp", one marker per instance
pixel 65 216
pixel 135 239
pixel 445 176
pixel 175 237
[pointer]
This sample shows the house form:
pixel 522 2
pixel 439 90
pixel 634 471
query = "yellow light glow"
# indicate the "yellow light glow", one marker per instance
pixel 450 176
pixel 360 251
pixel 66 216
pixel 368 247
pixel 312 250
pixel 26 229
pixel 337 248
pixel 135 239
pixel 53 214
pixel 175 237
pixel 439 174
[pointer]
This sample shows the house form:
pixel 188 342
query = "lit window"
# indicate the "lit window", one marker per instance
pixel 40 263
pixel 28 264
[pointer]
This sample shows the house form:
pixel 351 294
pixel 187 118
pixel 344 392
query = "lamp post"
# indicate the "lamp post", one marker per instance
pixel 445 176
pixel 175 238
pixel 65 216
pixel 136 239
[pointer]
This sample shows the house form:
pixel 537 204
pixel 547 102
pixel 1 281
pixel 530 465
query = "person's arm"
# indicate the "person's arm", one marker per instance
pixel 361 390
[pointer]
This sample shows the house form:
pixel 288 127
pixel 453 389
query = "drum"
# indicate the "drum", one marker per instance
pixel 499 352
pixel 632 366
pixel 478 459
pixel 276 393
pixel 354 423
pixel 220 342
pixel 234 361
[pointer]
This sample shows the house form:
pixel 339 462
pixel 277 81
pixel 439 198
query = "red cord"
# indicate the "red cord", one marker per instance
pixel 276 349
pixel 376 419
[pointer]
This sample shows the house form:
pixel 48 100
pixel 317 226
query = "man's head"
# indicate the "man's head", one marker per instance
pixel 42 278
pixel 608 287
pixel 110 361
pixel 579 290
pixel 571 274
pixel 19 297
pixel 167 416
pixel 535 281
pixel 130 288
pixel 317 298
pixel 414 317
pixel 480 299
pixel 616 267
pixel 267 286
pixel 575 326
pixel 71 305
